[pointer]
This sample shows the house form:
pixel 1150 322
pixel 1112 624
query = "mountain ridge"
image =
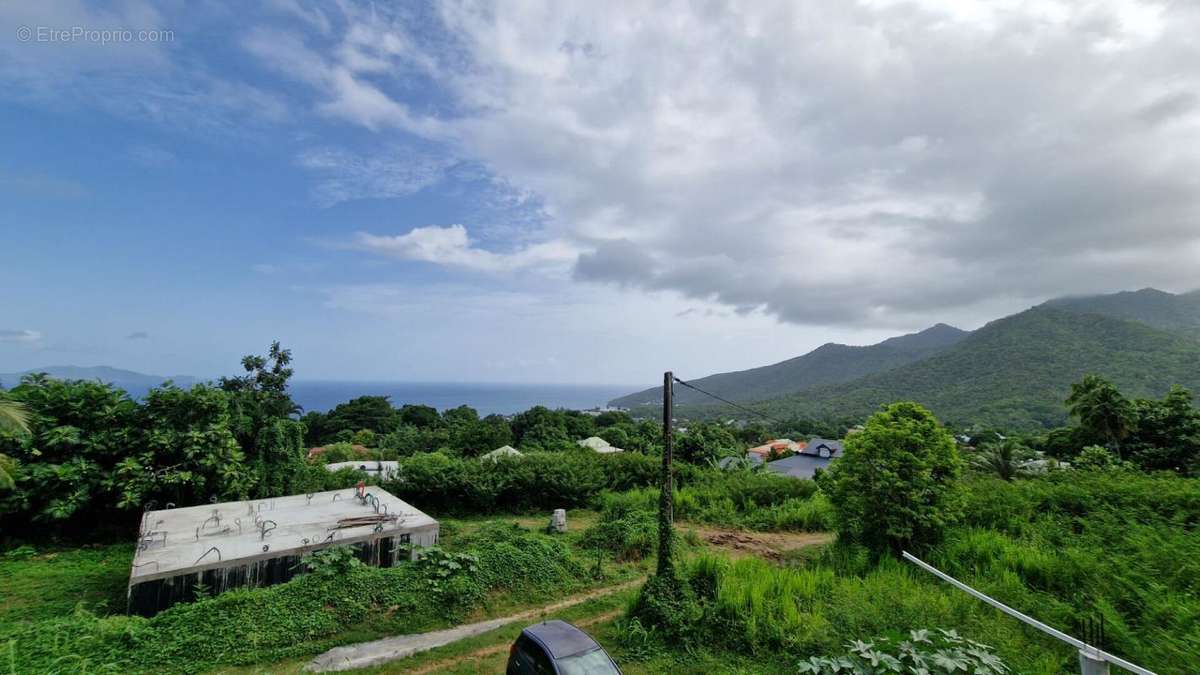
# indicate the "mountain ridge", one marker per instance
pixel 1016 371
pixel 830 363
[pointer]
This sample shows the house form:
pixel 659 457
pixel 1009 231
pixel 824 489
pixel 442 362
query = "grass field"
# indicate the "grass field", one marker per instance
pixel 42 584
pixel 38 585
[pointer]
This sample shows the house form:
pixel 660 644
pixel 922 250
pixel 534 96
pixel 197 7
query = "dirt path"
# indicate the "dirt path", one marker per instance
pixel 376 652
pixel 771 545
pixel 494 650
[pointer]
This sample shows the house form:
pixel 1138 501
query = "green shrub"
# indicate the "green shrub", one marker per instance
pixel 331 562
pixel 537 480
pixel 339 452
pixel 736 499
pixel 896 486
pixel 243 627
pixel 923 653
pixel 628 533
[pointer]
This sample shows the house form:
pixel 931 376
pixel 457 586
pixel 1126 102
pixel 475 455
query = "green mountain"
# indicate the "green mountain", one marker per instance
pixel 1015 372
pixel 828 364
pixel 1179 313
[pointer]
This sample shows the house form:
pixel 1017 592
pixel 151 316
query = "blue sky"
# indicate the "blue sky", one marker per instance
pixel 565 193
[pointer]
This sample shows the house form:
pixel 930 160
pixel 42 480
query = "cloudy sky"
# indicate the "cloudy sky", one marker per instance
pixel 577 191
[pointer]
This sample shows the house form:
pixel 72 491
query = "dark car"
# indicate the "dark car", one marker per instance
pixel 558 648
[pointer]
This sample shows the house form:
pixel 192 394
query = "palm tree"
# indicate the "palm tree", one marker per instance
pixel 1102 410
pixel 14 416
pixel 1003 459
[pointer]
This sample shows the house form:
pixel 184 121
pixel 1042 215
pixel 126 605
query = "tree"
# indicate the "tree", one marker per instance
pixel 266 379
pixel 280 460
pixel 187 452
pixel 896 486
pixel 373 413
pixel 1002 459
pixel 705 442
pixel 1167 434
pixel 1101 409
pixel 420 416
pixel 259 399
pixel 80 430
pixel 1098 458
pixel 480 436
pixel 14 417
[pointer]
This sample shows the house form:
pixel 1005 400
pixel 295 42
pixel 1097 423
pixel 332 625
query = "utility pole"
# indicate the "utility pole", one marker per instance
pixel 666 503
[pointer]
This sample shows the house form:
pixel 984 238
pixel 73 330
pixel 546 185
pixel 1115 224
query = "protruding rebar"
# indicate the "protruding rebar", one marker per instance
pixel 210 550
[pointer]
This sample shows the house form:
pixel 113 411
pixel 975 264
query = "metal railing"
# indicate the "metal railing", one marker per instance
pixel 1091 659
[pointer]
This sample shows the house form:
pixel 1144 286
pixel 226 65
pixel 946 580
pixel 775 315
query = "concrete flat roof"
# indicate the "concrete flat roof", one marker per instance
pixel 179 541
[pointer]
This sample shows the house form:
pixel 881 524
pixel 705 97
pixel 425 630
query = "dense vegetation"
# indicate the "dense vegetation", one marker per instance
pixel 830 363
pixel 1066 547
pixel 1112 537
pixel 89 457
pixel 302 616
pixel 1013 373
pixel 1179 313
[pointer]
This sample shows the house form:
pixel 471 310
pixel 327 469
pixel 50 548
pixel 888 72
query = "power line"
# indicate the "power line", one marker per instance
pixel 731 403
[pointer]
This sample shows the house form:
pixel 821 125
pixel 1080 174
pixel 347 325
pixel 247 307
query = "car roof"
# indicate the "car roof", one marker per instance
pixel 560 638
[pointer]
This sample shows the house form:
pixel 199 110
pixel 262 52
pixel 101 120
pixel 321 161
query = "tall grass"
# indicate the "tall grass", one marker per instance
pixel 737 499
pixel 1065 549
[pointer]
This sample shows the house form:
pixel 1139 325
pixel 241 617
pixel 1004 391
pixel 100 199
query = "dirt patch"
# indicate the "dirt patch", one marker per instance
pixel 771 545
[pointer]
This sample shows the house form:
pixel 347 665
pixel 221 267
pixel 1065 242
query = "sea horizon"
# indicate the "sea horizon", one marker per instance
pixel 486 397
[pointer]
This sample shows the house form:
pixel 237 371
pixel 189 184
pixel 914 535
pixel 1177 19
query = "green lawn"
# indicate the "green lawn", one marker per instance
pixel 51 582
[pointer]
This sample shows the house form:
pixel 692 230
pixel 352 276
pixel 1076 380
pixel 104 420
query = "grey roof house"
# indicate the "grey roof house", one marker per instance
pixel 816 455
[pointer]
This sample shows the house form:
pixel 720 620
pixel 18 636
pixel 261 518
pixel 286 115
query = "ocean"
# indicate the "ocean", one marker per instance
pixel 502 399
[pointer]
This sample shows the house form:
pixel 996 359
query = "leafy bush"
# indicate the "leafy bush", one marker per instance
pixel 629 533
pixel 453 578
pixel 340 452
pixel 924 653
pixel 536 480
pixel 896 486
pixel 1099 458
pixel 334 561
pixel 510 558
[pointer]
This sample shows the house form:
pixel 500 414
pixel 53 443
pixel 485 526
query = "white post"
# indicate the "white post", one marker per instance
pixel 558 522
pixel 1091 663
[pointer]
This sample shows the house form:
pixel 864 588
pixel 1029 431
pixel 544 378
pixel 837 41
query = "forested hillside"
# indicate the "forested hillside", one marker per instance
pixel 828 364
pixel 1016 371
pixel 1178 313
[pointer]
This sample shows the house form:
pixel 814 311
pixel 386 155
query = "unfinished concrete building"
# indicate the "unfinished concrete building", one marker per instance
pixel 260 542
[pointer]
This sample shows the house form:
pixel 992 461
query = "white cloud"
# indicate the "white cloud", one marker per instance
pixel 23 336
pixel 886 163
pixel 451 245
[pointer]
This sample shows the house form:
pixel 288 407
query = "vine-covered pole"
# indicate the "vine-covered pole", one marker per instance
pixel 666 502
